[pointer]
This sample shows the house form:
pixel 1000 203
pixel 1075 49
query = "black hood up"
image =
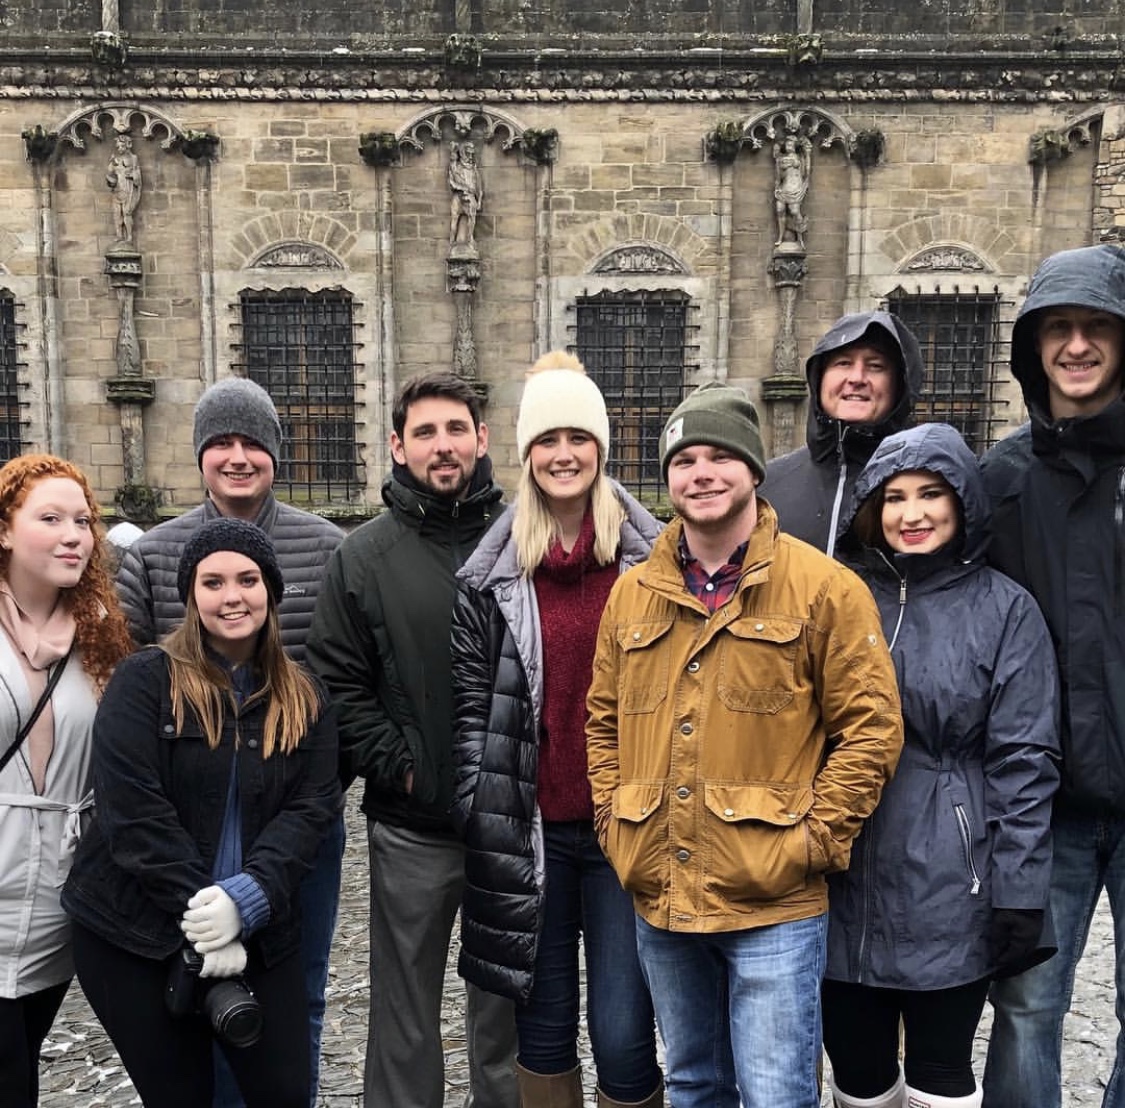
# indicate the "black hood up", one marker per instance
pixel 1089 277
pixel 824 433
pixel 936 448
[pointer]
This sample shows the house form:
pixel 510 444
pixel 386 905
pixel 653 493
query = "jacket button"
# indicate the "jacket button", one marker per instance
pixel 252 744
pixel 686 729
pixel 636 636
pixel 693 667
pixel 728 812
pixel 759 626
pixel 683 855
pixel 644 811
pixel 168 728
pixel 683 792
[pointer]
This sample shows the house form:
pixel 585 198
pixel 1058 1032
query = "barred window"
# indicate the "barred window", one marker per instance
pixel 961 348
pixel 635 347
pixel 10 424
pixel 300 347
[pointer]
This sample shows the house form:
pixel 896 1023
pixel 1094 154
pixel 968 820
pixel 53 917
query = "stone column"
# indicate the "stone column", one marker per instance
pixel 785 388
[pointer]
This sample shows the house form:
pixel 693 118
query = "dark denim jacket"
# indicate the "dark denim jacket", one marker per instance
pixel 159 803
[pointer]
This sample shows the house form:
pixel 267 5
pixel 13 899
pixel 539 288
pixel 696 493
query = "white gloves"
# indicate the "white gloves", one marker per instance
pixel 211 921
pixel 227 961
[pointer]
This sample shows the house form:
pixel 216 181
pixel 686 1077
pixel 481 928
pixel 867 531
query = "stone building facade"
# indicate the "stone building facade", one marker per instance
pixel 332 197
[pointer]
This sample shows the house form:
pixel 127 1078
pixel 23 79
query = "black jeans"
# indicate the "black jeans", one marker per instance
pixel 24 1023
pixel 169 1057
pixel 861 1037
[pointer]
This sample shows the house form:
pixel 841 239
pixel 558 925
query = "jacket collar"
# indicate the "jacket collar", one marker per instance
pixel 265 520
pixel 420 509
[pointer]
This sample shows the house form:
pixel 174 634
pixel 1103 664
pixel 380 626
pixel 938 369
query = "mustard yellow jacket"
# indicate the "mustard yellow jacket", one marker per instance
pixel 734 756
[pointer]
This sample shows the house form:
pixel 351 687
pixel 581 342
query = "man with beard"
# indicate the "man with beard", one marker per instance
pixel 744 718
pixel 380 640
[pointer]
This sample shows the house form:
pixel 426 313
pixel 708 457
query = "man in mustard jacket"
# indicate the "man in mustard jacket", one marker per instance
pixel 744 718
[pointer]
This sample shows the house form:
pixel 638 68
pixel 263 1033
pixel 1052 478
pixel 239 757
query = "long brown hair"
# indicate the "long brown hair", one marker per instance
pixel 101 635
pixel 201 684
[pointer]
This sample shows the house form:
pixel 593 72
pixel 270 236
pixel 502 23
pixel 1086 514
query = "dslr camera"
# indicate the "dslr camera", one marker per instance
pixel 227 1002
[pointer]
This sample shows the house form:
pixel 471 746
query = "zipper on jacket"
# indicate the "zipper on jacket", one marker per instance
pixel 967 843
pixel 1119 544
pixel 840 483
pixel 901 600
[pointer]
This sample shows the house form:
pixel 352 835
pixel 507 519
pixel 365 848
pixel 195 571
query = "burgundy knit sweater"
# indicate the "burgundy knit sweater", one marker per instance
pixel 572 590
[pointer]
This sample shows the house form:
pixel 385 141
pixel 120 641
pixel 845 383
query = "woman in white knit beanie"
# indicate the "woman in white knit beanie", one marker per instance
pixel 524 629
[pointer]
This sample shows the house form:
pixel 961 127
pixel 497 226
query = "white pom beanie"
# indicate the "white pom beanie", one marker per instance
pixel 554 399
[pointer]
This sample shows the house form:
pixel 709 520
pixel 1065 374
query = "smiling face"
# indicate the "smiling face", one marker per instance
pixel 238 474
pixel 857 384
pixel 712 489
pixel 919 512
pixel 49 539
pixel 1081 351
pixel 233 603
pixel 440 446
pixel 564 464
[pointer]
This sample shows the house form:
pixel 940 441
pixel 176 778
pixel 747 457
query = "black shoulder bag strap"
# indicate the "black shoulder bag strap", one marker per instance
pixel 36 712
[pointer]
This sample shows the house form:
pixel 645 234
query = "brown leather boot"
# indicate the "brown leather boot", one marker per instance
pixel 549 1090
pixel 654 1100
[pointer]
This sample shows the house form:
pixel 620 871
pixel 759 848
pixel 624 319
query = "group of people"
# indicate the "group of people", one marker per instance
pixel 829 761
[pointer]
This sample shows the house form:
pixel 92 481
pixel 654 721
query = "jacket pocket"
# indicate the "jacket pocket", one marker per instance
pixel 644 667
pixel 637 837
pixel 965 830
pixel 756 840
pixel 758 664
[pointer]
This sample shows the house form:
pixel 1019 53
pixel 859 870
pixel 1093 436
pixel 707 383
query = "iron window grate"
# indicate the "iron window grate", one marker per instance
pixel 635 347
pixel 300 347
pixel 11 423
pixel 959 333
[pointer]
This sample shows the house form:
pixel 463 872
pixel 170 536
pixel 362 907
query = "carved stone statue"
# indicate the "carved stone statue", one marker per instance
pixel 124 178
pixel 792 159
pixel 468 193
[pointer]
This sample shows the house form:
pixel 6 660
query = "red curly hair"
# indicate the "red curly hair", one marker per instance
pixel 101 634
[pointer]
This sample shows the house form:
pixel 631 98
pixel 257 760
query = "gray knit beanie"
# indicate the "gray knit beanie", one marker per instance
pixel 237 406
pixel 715 415
pixel 228 533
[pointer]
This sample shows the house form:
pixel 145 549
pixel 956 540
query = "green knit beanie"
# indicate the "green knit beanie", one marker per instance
pixel 715 414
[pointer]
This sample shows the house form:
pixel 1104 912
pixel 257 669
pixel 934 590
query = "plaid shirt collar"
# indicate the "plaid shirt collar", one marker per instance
pixel 716 589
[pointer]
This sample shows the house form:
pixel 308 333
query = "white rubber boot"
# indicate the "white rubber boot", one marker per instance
pixel 917 1099
pixel 892 1098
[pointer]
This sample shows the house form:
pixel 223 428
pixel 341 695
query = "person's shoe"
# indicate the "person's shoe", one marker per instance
pixel 915 1098
pixel 549 1090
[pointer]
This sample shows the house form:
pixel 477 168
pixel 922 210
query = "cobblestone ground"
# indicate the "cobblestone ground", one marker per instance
pixel 81 1069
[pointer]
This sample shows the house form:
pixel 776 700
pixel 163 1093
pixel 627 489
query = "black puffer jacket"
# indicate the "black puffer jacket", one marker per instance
pixel 146 580
pixel 1058 506
pixel 498 695
pixel 811 488
pixel 964 827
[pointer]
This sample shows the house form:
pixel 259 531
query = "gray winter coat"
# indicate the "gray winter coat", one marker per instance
pixel 498 698
pixel 811 487
pixel 964 826
pixel 146 579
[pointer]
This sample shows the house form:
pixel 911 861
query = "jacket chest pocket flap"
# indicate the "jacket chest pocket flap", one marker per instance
pixel 758 663
pixel 643 683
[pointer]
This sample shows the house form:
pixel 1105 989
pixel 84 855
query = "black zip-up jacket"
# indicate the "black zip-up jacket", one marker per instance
pixel 161 799
pixel 380 642
pixel 1058 527
pixel 811 487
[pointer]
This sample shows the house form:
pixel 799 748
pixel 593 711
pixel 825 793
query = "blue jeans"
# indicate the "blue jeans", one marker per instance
pixel 585 898
pixel 1024 1053
pixel 739 1012
pixel 320 899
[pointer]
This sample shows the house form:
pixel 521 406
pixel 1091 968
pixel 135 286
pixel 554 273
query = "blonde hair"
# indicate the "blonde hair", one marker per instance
pixel 201 684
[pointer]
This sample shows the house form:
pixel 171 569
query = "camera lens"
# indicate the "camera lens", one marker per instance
pixel 234 1012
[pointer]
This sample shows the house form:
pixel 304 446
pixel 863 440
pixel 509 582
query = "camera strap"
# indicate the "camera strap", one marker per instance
pixel 37 711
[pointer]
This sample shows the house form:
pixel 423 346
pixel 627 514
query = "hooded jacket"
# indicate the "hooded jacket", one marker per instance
pixel 811 487
pixel 1058 504
pixel 964 826
pixel 498 696
pixel 380 642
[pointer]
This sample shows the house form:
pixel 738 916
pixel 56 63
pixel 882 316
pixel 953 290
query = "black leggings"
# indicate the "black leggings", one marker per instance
pixel 24 1023
pixel 168 1057
pixel 861 1037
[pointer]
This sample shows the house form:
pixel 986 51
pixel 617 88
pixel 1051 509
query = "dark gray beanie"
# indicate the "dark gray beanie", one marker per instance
pixel 237 406
pixel 230 534
pixel 715 414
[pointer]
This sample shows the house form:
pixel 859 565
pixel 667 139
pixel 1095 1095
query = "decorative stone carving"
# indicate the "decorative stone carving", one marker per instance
pixel 1051 145
pixel 792 159
pixel 199 146
pixel 723 142
pixel 39 143
pixel 379 148
pixel 123 177
pixel 866 148
pixel 947 258
pixel 466 195
pixel 121 116
pixel 804 49
pixel 643 259
pixel 541 146
pixel 296 255
pixel 109 49
pixel 462 52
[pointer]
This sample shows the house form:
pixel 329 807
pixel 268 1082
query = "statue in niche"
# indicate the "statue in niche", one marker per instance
pixel 468 193
pixel 124 179
pixel 792 165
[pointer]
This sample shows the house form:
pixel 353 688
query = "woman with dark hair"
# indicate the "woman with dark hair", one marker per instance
pixel 62 636
pixel 215 777
pixel 536 880
pixel 947 887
